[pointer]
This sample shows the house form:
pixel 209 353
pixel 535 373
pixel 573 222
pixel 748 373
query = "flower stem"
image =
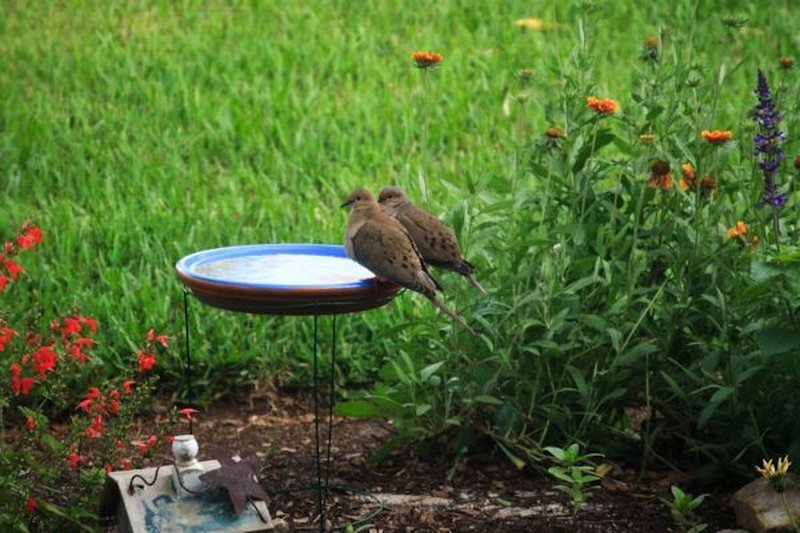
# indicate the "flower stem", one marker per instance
pixel 423 149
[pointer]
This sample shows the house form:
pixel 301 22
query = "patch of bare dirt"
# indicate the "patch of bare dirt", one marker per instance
pixel 486 493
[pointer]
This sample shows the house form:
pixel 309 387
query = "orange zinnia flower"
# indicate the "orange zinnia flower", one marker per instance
pixel 660 182
pixel 738 230
pixel 426 59
pixel 716 136
pixel 689 179
pixel 604 106
pixel 554 132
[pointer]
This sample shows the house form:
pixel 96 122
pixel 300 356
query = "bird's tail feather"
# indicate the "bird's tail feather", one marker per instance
pixel 475 283
pixel 452 314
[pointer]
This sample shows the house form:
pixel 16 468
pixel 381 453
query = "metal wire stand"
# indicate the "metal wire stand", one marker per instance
pixel 322 485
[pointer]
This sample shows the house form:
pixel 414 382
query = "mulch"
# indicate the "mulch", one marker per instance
pixel 485 492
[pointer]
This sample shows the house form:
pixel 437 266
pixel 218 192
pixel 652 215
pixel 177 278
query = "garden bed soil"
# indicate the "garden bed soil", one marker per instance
pixel 485 493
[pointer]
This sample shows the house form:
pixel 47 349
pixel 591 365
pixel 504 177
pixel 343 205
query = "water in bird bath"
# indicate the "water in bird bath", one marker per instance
pixel 291 270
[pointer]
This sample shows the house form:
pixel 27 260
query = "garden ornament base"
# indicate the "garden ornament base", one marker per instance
pixel 172 498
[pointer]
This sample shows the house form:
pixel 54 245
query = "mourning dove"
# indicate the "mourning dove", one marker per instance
pixel 436 242
pixel 380 244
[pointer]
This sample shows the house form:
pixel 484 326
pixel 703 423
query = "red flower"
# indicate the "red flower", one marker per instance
pixel 146 361
pixel 160 339
pixel 5 337
pixel 93 394
pixel 169 438
pixel 4 282
pixel 31 236
pixel 127 386
pixel 12 268
pixel 30 505
pixel 125 464
pixel 142 447
pixel 71 326
pixel 84 405
pixel 108 468
pixel 15 370
pixel 9 248
pixel 44 360
pixel 152 441
pixel 96 429
pixel 30 423
pixel 74 460
pixel 114 406
pixel 76 353
pixel 188 412
pixel 90 322
pixel 22 386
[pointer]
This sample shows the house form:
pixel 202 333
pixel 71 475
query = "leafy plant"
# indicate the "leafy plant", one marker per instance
pixel 62 440
pixel 575 472
pixel 682 510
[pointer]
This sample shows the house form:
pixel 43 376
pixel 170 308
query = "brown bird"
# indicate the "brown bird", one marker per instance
pixel 379 243
pixel 436 242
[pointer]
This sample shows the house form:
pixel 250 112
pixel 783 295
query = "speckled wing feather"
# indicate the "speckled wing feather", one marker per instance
pixel 437 243
pixel 385 248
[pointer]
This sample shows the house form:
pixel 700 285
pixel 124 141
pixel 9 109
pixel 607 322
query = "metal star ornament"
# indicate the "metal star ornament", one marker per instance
pixel 239 479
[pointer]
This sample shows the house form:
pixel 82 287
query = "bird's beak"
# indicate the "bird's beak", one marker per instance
pixel 346 204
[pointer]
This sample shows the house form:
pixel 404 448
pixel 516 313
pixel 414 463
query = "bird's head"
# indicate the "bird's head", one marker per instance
pixel 359 198
pixel 392 196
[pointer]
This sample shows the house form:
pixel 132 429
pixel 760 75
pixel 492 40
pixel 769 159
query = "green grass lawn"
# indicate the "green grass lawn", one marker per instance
pixel 135 133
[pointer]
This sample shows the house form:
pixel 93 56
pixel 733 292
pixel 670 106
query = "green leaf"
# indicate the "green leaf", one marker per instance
pixel 762 272
pixel 677 493
pixel 485 398
pixel 556 452
pixel 559 473
pixel 774 340
pixel 429 370
pixel 591 147
pixel 519 463
pixel 423 408
pixel 637 352
pixel 720 396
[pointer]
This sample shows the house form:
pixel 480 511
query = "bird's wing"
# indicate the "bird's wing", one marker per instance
pixel 437 242
pixel 386 249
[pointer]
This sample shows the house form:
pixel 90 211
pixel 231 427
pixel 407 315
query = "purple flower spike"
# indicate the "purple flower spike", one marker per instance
pixel 768 142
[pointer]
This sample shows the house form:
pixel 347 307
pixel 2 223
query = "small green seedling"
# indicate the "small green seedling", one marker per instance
pixel 682 508
pixel 576 471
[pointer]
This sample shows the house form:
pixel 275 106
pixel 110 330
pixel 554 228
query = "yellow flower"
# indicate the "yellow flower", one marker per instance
pixel 647 137
pixel 775 474
pixel 531 23
pixel 783 466
pixel 768 469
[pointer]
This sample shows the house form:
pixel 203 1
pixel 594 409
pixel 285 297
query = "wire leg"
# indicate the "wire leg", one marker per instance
pixel 320 499
pixel 331 398
pixel 187 347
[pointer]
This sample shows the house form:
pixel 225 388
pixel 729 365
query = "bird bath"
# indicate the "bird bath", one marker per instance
pixel 283 279
pixel 286 279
